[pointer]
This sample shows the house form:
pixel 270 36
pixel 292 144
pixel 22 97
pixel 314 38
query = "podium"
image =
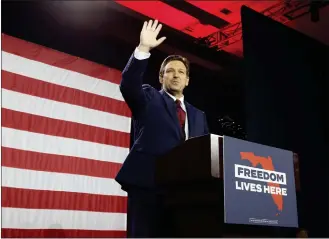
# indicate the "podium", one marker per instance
pixel 219 186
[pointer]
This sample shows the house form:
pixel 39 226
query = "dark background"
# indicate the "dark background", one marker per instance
pixel 287 106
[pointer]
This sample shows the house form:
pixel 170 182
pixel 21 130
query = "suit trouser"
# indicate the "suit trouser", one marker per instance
pixel 146 216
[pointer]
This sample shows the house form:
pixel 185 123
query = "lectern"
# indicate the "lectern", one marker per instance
pixel 219 186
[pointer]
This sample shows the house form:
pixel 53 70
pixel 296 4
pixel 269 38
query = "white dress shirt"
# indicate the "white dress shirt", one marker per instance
pixel 144 55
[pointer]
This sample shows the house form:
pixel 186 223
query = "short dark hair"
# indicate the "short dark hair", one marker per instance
pixel 175 58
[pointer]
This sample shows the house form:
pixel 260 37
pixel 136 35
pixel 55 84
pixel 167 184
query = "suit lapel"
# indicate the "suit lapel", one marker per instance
pixel 190 118
pixel 171 108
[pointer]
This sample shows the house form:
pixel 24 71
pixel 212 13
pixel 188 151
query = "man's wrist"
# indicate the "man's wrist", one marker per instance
pixel 141 55
pixel 144 49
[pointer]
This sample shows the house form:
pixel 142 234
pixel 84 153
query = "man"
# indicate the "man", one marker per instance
pixel 161 120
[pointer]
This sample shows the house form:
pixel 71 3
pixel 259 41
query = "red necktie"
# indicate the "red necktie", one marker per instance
pixel 181 115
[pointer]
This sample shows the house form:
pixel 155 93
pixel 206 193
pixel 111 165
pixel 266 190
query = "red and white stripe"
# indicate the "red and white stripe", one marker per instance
pixel 65 135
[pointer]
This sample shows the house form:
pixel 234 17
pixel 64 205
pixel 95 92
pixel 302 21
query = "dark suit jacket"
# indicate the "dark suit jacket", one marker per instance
pixel 156 126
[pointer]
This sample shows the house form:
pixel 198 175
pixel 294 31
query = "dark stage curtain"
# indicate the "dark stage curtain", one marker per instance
pixel 286 88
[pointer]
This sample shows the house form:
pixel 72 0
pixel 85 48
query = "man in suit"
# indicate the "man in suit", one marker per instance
pixel 162 120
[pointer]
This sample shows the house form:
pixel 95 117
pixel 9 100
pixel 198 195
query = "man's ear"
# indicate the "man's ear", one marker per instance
pixel 161 80
pixel 187 81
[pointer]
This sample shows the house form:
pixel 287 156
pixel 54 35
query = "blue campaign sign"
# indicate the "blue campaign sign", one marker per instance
pixel 259 184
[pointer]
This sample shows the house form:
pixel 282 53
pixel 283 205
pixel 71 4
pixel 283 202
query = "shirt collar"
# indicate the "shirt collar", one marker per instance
pixel 174 98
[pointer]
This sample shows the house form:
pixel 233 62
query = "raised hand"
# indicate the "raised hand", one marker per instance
pixel 148 36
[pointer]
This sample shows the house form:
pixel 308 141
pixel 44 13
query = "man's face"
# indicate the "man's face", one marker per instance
pixel 174 78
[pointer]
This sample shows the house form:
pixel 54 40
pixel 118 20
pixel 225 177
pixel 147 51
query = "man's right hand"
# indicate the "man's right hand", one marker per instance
pixel 148 36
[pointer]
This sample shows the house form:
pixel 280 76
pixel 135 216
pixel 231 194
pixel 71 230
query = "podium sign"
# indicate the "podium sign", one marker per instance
pixel 259 184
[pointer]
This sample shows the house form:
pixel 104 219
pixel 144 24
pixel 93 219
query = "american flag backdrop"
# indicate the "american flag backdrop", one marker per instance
pixel 65 134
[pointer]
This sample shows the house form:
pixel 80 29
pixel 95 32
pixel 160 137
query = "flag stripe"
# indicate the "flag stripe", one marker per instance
pixel 44 125
pixel 55 75
pixel 66 133
pixel 62 111
pixel 61 219
pixel 58 59
pixel 60 233
pixel 44 199
pixel 39 180
pixel 26 85
pixel 41 143
pixel 15 158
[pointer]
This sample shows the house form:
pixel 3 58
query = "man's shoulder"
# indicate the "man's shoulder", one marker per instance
pixel 150 91
pixel 197 110
pixel 148 88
